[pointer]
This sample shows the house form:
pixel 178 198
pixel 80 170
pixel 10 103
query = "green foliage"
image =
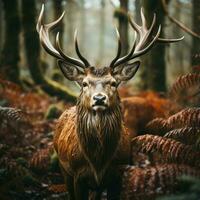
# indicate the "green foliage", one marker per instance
pixel 53 112
pixel 54 163
pixel 188 189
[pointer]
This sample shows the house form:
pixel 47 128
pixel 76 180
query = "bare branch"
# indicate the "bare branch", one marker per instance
pixel 178 23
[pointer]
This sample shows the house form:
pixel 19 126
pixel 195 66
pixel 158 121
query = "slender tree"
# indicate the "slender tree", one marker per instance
pixel 102 31
pixel 121 14
pixel 123 26
pixel 32 48
pixel 153 69
pixel 10 52
pixel 195 53
pixel 1 22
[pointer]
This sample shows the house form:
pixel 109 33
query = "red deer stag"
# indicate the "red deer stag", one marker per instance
pixel 90 138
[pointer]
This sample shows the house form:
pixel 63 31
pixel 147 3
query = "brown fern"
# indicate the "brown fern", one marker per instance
pixel 57 188
pixel 41 159
pixel 183 83
pixel 31 102
pixel 188 135
pixel 170 150
pixel 158 126
pixel 13 114
pixel 189 117
pixel 9 86
pixel 148 183
pixel 14 117
pixel 13 168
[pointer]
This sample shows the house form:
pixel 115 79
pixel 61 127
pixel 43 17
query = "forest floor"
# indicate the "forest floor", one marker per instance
pixel 28 164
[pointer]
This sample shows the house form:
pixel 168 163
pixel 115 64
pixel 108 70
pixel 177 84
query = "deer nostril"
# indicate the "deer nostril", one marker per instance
pixel 99 98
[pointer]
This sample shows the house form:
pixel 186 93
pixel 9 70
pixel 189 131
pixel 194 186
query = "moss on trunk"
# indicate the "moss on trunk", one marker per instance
pixel 32 47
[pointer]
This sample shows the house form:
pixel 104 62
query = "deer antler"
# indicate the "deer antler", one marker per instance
pixel 146 40
pixel 44 29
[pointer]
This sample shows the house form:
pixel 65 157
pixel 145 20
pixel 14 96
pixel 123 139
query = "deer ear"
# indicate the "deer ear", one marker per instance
pixel 71 72
pixel 127 72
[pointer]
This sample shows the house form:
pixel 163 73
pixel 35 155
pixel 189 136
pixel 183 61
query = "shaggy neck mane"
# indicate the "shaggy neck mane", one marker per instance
pixel 99 134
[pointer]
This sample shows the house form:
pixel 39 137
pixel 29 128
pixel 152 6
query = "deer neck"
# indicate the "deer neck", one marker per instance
pixel 99 135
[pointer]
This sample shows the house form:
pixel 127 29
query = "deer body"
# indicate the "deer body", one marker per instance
pixel 90 144
pixel 89 157
pixel 90 139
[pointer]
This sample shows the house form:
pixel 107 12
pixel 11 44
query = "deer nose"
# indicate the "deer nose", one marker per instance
pixel 99 98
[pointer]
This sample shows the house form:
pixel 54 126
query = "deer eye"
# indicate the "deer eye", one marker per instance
pixel 113 84
pixel 85 84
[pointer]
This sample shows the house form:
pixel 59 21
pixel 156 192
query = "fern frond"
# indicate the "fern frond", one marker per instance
pixel 41 159
pixel 184 82
pixel 188 135
pixel 148 183
pixel 171 150
pixel 13 116
pixel 57 188
pixel 189 117
pixel 158 126
pixel 13 168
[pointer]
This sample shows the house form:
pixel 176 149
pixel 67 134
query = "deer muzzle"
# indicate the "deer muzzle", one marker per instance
pixel 99 102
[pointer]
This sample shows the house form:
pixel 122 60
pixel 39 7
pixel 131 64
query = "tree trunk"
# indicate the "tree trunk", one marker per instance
pixel 10 53
pixel 32 47
pixel 102 27
pixel 195 57
pixel 153 69
pixel 123 25
pixel 2 28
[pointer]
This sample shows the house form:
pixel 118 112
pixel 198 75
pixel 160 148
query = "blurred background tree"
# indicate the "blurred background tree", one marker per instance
pixel 154 65
pixel 9 67
pixel 23 59
pixel 195 55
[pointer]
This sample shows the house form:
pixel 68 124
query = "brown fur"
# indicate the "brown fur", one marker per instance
pixel 89 146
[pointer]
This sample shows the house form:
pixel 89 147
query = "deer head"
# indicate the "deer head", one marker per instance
pixel 99 85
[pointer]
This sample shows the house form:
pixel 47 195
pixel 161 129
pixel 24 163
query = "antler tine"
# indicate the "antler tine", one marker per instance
pixel 66 57
pixel 146 39
pixel 39 22
pixel 142 30
pixel 49 26
pixel 144 24
pixel 118 49
pixel 133 55
pixel 135 26
pixel 128 56
pixel 87 64
pixel 148 47
pixel 43 30
pixel 163 40
pixel 147 32
pixel 47 45
pixel 44 36
pixel 143 33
